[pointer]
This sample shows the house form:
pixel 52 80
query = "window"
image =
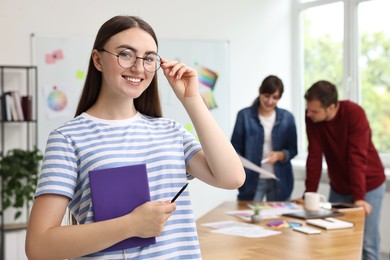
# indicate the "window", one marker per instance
pixel 348 43
pixel 323 44
pixel 374 68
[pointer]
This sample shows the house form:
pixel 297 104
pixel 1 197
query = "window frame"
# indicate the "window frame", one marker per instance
pixel 351 75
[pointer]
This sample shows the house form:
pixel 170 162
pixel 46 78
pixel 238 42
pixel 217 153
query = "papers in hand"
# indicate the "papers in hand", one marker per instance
pixel 264 160
pixel 251 166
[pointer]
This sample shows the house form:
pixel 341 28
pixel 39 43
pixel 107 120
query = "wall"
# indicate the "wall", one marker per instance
pixel 258 32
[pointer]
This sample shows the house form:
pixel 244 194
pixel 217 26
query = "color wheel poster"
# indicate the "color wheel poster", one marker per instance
pixel 56 102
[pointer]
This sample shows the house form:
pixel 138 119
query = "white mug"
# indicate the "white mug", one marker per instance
pixel 313 200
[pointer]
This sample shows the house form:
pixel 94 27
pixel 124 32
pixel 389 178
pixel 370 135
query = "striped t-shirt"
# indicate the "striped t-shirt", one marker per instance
pixel 86 143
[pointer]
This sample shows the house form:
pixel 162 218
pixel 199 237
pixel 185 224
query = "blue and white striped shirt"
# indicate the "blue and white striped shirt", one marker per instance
pixel 86 143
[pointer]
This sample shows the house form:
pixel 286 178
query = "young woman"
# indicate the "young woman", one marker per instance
pixel 118 122
pixel 266 135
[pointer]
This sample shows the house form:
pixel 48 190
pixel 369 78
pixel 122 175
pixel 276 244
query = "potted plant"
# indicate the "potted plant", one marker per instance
pixel 18 173
pixel 256 218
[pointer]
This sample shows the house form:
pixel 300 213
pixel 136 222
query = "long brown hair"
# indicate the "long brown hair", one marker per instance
pixel 149 101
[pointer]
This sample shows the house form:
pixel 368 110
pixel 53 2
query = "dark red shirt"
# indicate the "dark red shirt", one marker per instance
pixel 354 166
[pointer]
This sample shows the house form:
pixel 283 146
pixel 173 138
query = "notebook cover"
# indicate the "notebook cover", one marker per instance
pixel 330 223
pixel 116 192
pixel 305 214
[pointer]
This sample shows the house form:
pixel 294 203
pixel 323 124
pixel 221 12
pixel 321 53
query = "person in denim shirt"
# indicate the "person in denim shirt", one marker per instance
pixel 264 132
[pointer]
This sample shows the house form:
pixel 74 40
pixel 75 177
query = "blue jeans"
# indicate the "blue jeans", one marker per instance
pixel 265 188
pixel 371 239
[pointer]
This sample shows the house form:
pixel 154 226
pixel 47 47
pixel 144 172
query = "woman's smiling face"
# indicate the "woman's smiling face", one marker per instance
pixel 268 102
pixel 116 80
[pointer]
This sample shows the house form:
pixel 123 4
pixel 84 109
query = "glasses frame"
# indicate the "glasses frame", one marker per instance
pixel 136 58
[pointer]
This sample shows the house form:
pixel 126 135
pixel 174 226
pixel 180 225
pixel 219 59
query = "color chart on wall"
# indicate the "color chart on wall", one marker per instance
pixel 211 61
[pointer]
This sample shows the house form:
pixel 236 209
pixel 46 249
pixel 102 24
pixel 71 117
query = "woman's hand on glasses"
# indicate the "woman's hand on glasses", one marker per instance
pixel 183 79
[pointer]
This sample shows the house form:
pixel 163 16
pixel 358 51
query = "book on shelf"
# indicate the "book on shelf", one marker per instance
pixel 27 107
pixel 6 107
pixel 11 107
pixel 330 223
pixel 3 108
pixel 18 105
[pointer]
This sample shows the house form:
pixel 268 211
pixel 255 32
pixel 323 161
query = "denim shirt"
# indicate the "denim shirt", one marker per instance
pixel 248 139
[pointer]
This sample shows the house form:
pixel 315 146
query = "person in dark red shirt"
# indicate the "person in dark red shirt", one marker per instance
pixel 340 131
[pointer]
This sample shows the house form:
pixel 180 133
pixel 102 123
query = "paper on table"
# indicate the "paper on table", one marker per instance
pixel 235 228
pixel 247 231
pixel 243 214
pixel 267 210
pixel 276 209
pixel 221 224
pixel 251 166
pixel 264 213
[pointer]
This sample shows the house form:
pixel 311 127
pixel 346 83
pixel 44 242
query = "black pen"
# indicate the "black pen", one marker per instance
pixel 328 220
pixel 180 191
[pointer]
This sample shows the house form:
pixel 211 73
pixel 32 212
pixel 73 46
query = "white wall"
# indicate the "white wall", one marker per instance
pixel 258 32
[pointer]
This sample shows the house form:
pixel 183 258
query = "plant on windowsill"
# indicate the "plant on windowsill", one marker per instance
pixel 256 217
pixel 19 173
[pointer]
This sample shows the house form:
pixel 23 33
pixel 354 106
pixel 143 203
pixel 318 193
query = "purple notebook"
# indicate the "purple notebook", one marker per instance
pixel 116 192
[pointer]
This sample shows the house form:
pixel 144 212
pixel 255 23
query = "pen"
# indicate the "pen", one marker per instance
pixel 180 191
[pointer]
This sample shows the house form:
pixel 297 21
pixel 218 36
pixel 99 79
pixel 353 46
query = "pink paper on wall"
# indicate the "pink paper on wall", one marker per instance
pixel 54 56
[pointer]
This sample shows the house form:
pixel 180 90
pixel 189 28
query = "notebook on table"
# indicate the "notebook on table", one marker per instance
pixel 305 214
pixel 330 223
pixel 116 192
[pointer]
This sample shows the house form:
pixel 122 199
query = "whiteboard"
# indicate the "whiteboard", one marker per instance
pixel 210 59
pixel 63 61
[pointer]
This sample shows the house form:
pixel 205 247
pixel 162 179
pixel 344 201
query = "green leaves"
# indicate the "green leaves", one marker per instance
pixel 256 209
pixel 19 174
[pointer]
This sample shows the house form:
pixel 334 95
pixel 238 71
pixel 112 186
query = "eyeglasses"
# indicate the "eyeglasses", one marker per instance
pixel 127 59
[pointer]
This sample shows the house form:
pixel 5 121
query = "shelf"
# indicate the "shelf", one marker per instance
pixel 24 121
pixel 17 67
pixel 26 79
pixel 14 227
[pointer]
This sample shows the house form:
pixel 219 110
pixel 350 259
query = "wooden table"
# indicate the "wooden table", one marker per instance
pixel 343 244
